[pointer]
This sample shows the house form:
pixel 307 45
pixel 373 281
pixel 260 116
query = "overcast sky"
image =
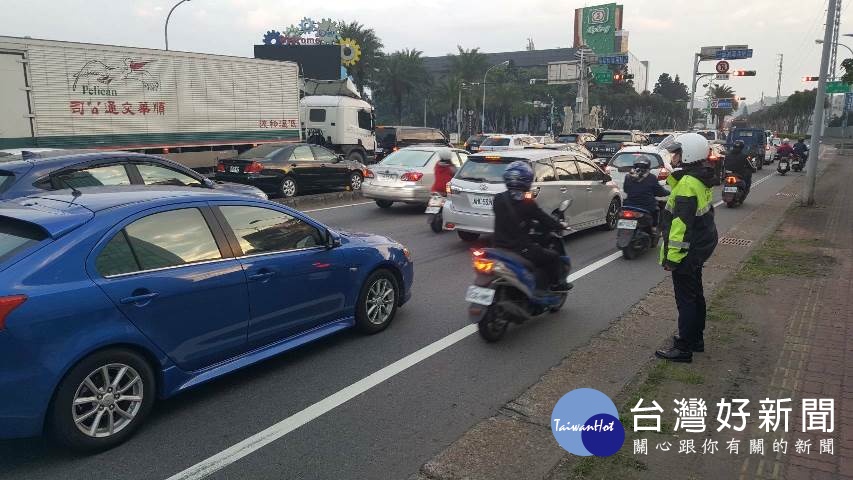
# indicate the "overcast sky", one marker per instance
pixel 664 32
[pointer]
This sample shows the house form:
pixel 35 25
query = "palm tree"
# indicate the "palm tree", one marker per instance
pixel 363 72
pixel 468 65
pixel 723 91
pixel 402 75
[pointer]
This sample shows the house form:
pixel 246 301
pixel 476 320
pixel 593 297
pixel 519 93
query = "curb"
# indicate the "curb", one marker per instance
pixel 516 442
pixel 300 202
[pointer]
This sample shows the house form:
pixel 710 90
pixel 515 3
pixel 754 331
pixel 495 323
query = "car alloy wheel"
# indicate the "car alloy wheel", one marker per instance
pixel 377 303
pixel 288 187
pixel 107 400
pixel 612 214
pixel 355 181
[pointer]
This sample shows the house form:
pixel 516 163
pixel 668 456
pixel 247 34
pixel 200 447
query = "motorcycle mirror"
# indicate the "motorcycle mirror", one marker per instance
pixel 565 204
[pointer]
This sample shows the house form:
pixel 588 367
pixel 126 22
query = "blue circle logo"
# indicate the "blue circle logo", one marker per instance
pixel 585 422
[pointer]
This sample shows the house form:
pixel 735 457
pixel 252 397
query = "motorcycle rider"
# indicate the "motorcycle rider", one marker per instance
pixel 689 238
pixel 444 171
pixel 737 161
pixel 642 188
pixel 801 149
pixel 513 213
pixel 785 150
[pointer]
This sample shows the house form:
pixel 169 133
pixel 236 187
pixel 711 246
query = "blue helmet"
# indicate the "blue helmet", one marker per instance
pixel 518 176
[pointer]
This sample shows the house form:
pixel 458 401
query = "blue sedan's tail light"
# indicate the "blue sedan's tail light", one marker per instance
pixel 7 304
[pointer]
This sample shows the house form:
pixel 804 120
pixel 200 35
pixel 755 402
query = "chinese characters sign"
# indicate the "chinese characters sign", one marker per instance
pixel 284 123
pixel 110 107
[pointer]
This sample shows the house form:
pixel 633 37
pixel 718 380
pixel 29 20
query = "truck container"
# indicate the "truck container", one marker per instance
pixel 191 106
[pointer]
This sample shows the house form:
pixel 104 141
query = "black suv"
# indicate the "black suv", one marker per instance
pixel 391 139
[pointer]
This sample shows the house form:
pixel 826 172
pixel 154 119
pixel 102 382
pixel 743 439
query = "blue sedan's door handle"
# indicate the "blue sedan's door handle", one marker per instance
pixel 262 276
pixel 140 300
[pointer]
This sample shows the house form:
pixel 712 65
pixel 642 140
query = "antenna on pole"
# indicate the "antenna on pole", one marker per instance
pixel 779 81
pixel 836 27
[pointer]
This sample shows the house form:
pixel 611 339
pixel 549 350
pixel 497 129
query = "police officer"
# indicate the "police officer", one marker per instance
pixel 689 238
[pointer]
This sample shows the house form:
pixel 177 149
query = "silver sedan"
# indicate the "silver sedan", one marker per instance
pixel 407 175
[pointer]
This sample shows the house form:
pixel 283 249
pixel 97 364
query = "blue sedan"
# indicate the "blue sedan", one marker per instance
pixel 35 173
pixel 116 296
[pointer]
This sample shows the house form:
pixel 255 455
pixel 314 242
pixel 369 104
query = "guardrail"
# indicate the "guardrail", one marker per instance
pixel 304 202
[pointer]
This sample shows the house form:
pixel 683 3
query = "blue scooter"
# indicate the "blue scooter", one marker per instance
pixel 507 288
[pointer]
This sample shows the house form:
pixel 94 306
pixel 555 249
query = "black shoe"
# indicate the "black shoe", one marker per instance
pixel 697 347
pixel 675 355
pixel 561 287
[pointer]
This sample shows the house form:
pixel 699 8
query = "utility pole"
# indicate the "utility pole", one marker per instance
pixel 779 82
pixel 693 90
pixel 817 124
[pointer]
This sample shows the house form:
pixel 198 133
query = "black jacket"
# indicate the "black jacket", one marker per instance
pixel 641 192
pixel 738 163
pixel 513 220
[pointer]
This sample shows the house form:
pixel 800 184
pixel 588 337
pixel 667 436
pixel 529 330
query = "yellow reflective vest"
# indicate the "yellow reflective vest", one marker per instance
pixel 688 227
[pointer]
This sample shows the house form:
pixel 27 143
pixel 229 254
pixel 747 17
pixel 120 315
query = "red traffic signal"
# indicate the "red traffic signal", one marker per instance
pixel 810 79
pixel 744 73
pixel 618 77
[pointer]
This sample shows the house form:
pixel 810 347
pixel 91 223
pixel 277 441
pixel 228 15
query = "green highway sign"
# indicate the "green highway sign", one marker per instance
pixel 603 77
pixel 837 87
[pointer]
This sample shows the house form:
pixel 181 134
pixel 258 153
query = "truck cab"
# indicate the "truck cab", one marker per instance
pixel 334 115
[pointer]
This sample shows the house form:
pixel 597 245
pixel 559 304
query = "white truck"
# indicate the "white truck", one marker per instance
pixel 192 106
pixel 334 115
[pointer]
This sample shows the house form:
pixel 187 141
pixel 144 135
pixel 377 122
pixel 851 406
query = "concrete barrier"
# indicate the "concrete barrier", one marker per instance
pixel 305 202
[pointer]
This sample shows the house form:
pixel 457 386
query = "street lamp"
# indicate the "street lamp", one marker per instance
pixel 459 110
pixel 166 28
pixel 483 115
pixel 819 42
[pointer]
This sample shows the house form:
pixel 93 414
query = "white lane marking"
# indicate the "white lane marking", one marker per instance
pixel 339 206
pixel 259 440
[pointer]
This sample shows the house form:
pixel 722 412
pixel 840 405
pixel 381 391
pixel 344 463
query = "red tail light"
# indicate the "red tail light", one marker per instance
pixel 483 266
pixel 220 167
pixel 478 252
pixel 411 176
pixel 369 173
pixel 628 214
pixel 254 167
pixel 731 180
pixel 663 174
pixel 7 304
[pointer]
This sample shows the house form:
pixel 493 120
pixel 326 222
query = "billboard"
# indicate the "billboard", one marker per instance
pixel 320 62
pixel 596 27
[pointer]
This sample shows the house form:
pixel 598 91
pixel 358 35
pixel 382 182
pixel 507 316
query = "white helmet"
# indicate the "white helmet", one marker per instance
pixel 694 147
pixel 786 141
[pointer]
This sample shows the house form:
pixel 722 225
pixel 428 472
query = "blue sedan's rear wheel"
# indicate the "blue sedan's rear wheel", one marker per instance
pixel 377 303
pixel 102 401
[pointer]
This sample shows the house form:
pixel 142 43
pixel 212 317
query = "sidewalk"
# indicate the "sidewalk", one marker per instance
pixel 780 326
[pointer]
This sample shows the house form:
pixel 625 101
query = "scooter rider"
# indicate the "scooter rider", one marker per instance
pixel 642 188
pixel 513 213
pixel 689 238
pixel 444 171
pixel 785 150
pixel 737 161
pixel 801 149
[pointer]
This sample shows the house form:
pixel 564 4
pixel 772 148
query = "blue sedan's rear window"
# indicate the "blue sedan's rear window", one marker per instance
pixel 16 235
pixel 6 180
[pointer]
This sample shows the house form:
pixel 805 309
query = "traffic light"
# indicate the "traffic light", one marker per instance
pixel 810 79
pixel 741 99
pixel 618 77
pixel 744 73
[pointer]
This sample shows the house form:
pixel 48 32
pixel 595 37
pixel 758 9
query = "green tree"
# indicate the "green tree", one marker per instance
pixel 364 72
pixel 670 89
pixel 847 65
pixel 468 65
pixel 723 92
pixel 402 77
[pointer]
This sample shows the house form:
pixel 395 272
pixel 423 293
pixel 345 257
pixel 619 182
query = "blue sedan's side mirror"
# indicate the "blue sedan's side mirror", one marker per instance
pixel 332 240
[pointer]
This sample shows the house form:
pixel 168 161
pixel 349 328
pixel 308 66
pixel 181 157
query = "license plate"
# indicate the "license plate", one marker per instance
pixel 480 295
pixel 627 224
pixel 481 201
pixel 432 210
pixel 387 178
pixel 435 202
pixel 379 150
pixel 784 165
pixel 729 189
pixel 235 169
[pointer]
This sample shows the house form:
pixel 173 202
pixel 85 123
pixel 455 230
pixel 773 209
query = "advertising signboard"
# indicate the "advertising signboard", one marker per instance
pixel 597 28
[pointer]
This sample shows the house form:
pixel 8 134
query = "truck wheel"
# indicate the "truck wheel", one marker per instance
pixel 356 156
pixel 102 400
pixel 288 187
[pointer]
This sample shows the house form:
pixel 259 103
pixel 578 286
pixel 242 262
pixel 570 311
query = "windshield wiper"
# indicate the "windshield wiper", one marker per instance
pixel 473 179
